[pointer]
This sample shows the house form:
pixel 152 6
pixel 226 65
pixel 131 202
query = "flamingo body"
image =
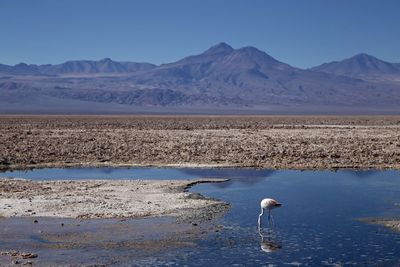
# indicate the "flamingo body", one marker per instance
pixel 268 204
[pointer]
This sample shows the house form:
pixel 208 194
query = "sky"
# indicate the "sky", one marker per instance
pixel 302 33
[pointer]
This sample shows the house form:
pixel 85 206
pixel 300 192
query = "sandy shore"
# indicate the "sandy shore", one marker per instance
pixel 392 223
pixel 297 142
pixel 106 199
pixel 45 223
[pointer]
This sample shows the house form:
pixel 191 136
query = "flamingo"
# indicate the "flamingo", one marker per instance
pixel 268 204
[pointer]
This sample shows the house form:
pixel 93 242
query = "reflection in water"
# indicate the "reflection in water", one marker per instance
pixel 242 176
pixel 361 173
pixel 319 225
pixel 230 172
pixel 269 241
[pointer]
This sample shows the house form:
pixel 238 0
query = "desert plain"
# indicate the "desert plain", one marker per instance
pixel 268 142
pixel 275 142
pixel 271 142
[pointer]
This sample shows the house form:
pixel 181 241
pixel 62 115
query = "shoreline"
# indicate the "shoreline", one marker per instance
pixel 391 223
pixel 194 166
pixel 88 199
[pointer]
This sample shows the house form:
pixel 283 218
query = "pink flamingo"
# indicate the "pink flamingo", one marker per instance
pixel 268 204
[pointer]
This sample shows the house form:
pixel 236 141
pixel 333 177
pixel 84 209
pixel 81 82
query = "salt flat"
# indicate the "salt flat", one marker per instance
pixel 274 142
pixel 106 199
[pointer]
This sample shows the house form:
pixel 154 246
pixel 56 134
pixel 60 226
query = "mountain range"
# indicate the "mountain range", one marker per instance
pixel 105 65
pixel 361 66
pixel 220 80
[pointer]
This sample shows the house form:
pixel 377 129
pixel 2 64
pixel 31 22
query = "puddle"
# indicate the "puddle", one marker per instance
pixel 317 225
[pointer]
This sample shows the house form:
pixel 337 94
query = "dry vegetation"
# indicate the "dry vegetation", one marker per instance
pixel 299 142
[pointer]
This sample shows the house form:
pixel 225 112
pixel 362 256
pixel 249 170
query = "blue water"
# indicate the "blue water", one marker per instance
pixel 317 225
pixel 251 175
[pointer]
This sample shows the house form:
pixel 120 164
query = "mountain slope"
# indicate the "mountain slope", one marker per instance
pixel 249 76
pixel 105 65
pixel 220 60
pixel 220 78
pixel 361 66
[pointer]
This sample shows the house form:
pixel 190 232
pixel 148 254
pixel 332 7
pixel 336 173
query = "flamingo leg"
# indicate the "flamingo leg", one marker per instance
pixel 269 217
pixel 259 218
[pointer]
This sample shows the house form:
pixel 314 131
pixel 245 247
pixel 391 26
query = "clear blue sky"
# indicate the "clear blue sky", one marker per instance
pixel 302 33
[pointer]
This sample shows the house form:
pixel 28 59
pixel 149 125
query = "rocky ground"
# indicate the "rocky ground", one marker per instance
pixel 106 199
pixel 290 142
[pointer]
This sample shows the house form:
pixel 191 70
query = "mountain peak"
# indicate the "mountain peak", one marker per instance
pixel 359 65
pixel 21 65
pixel 364 56
pixel 107 59
pixel 251 50
pixel 253 55
pixel 219 48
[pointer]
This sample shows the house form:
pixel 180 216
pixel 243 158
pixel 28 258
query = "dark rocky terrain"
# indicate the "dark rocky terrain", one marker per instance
pixel 221 79
pixel 273 142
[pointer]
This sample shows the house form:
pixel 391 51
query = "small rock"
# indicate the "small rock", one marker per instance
pixel 29 255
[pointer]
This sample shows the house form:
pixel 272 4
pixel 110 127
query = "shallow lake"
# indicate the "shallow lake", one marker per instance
pixel 316 226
